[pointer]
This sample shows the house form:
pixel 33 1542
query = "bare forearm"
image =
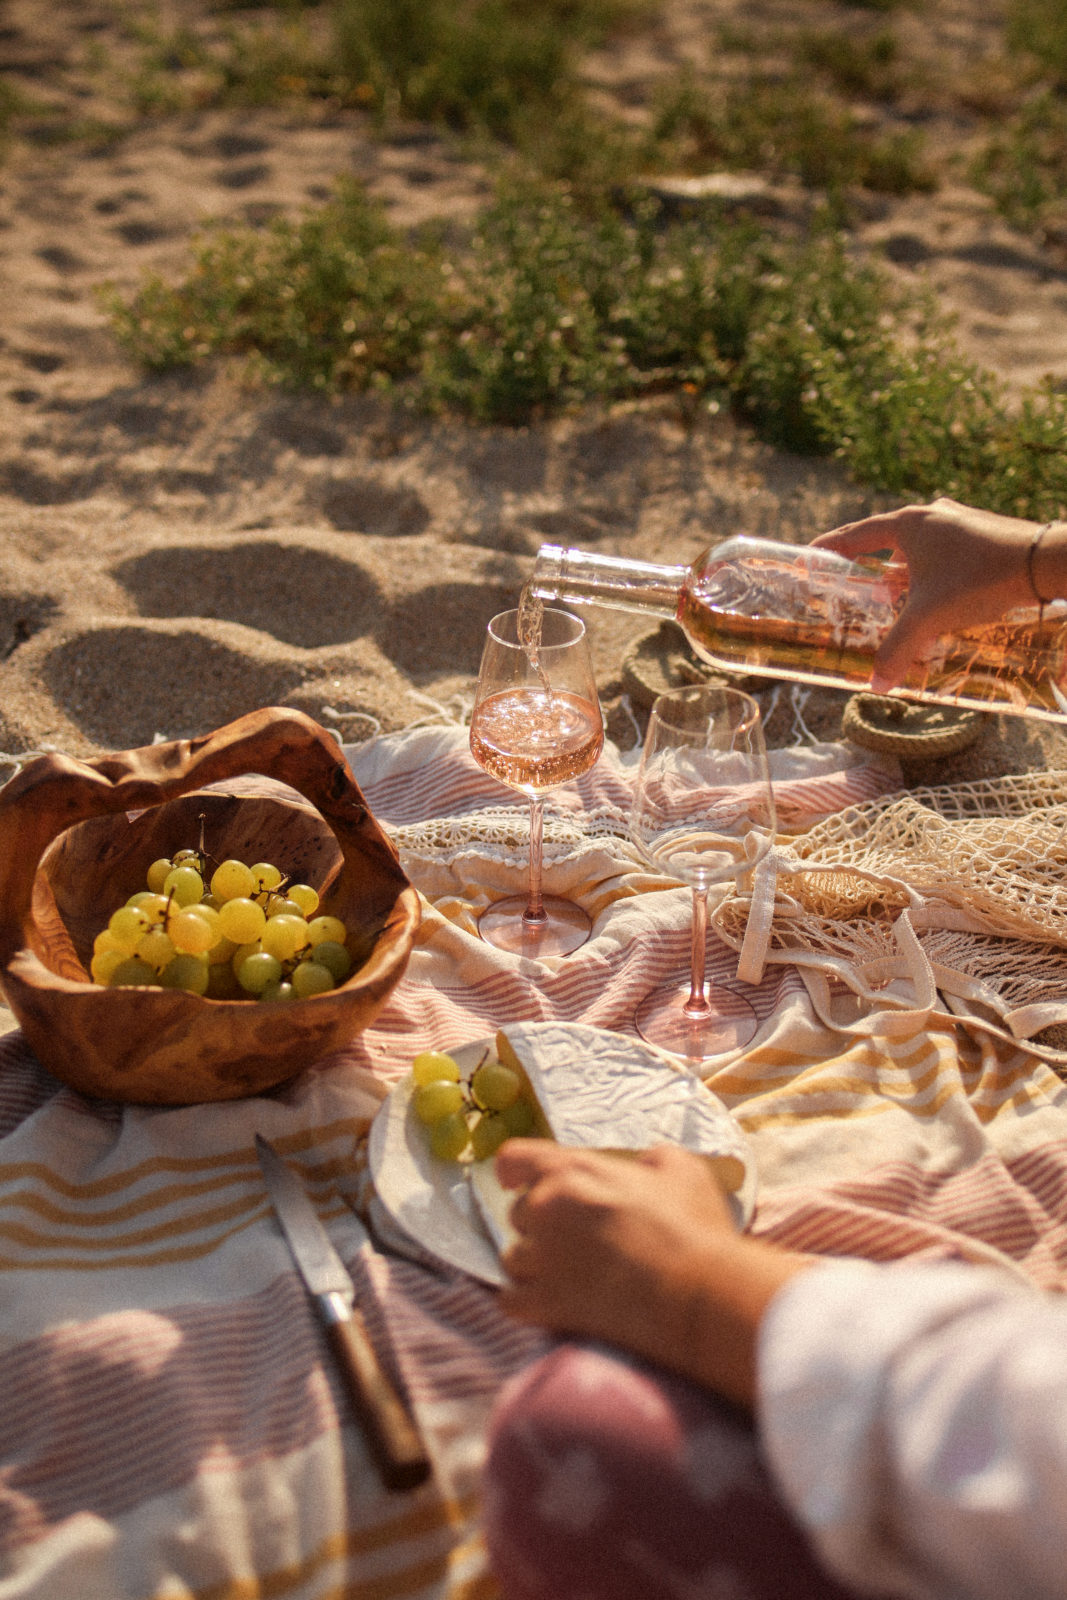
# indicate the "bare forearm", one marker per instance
pixel 713 1310
pixel 640 1254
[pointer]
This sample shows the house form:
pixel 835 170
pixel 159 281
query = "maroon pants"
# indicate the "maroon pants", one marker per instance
pixel 608 1480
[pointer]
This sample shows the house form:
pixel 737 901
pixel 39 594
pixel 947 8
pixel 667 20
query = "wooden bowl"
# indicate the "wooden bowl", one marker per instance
pixel 76 839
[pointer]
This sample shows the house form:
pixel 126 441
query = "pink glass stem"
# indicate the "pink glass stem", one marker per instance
pixel 698 1004
pixel 535 911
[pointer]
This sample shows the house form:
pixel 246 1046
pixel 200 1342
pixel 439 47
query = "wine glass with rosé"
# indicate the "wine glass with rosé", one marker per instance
pixel 703 812
pixel 536 724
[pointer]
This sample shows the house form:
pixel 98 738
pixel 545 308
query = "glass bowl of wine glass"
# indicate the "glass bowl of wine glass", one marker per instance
pixel 702 814
pixel 536 724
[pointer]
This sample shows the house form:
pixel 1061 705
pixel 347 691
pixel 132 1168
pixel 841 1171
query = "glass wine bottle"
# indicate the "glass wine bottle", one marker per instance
pixel 808 614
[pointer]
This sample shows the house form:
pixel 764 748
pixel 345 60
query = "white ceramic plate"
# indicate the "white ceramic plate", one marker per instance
pixel 431 1200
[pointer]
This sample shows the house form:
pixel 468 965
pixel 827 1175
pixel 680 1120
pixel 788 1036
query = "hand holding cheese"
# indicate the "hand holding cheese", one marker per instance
pixel 642 1252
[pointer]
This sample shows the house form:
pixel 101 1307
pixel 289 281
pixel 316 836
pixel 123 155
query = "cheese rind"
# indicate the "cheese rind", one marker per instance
pixel 597 1090
pixel 607 1092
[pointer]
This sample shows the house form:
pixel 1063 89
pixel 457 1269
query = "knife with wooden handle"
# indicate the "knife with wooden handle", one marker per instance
pixel 391 1434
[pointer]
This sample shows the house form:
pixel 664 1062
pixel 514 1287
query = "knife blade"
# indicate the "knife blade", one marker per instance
pixel 394 1442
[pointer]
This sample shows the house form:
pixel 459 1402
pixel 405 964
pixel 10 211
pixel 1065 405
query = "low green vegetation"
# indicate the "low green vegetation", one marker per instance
pixel 477 66
pixel 576 286
pixel 486 65
pixel 1023 166
pixel 555 303
pixel 1038 29
pixel 1023 163
pixel 784 127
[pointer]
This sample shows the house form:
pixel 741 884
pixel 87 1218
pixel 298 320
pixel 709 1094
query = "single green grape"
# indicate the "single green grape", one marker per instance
pixel 154 906
pixel 256 972
pixel 157 874
pixel 232 880
pixel 241 920
pixel 222 950
pixel 487 1135
pixel 206 913
pixel 431 1065
pixel 450 1137
pixel 222 983
pixel 128 926
pixel 432 1101
pixel 157 948
pixel 305 897
pixel 284 935
pixel 266 875
pixel 320 928
pixel 495 1086
pixel 186 972
pixel 519 1118
pixel 104 963
pixel 282 992
pixel 185 885
pixel 334 957
pixel 310 978
pixel 190 933
pixel 279 905
pixel 132 973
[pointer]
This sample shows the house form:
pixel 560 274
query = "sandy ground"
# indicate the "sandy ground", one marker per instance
pixel 176 551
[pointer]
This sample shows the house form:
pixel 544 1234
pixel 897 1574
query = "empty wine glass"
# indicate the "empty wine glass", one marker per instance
pixel 703 812
pixel 536 724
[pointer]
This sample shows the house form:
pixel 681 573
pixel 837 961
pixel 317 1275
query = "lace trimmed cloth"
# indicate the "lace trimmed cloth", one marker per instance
pixel 938 902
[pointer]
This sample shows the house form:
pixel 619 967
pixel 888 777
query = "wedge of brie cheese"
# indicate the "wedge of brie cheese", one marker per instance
pixel 604 1091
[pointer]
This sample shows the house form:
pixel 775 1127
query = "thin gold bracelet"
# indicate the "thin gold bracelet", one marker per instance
pixel 1031 555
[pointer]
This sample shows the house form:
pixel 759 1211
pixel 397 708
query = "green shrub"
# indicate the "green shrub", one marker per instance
pixel 788 128
pixel 556 302
pixel 481 65
pixel 870 66
pixel 1023 167
pixel 338 300
pixel 1038 28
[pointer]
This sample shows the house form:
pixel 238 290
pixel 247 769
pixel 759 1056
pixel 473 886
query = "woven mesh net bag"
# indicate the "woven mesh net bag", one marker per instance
pixel 977 872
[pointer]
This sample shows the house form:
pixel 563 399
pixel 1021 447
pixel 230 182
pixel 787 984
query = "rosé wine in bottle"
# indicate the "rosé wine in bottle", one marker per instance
pixel 808 614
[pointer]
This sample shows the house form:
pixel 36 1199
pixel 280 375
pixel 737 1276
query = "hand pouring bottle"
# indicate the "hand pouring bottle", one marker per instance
pixel 811 615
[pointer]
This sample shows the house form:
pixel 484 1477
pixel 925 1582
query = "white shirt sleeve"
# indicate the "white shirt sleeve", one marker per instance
pixel 915 1419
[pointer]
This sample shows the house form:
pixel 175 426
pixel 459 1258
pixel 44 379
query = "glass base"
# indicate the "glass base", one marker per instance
pixel 729 1025
pixel 565 927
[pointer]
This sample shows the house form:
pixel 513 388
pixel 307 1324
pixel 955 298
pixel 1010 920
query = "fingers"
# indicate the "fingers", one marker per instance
pixel 520 1162
pixel 522 1261
pixel 895 655
pixel 895 531
pixel 863 538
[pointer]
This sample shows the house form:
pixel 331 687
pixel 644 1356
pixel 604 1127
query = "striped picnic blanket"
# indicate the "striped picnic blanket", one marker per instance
pixel 170 1423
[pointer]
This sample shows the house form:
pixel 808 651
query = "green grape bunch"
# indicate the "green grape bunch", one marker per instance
pixel 227 931
pixel 468 1118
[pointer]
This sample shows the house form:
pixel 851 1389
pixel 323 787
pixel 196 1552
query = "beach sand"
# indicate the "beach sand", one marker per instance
pixel 175 551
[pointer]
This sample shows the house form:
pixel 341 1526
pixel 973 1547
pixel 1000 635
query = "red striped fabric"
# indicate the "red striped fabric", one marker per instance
pixel 170 1420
